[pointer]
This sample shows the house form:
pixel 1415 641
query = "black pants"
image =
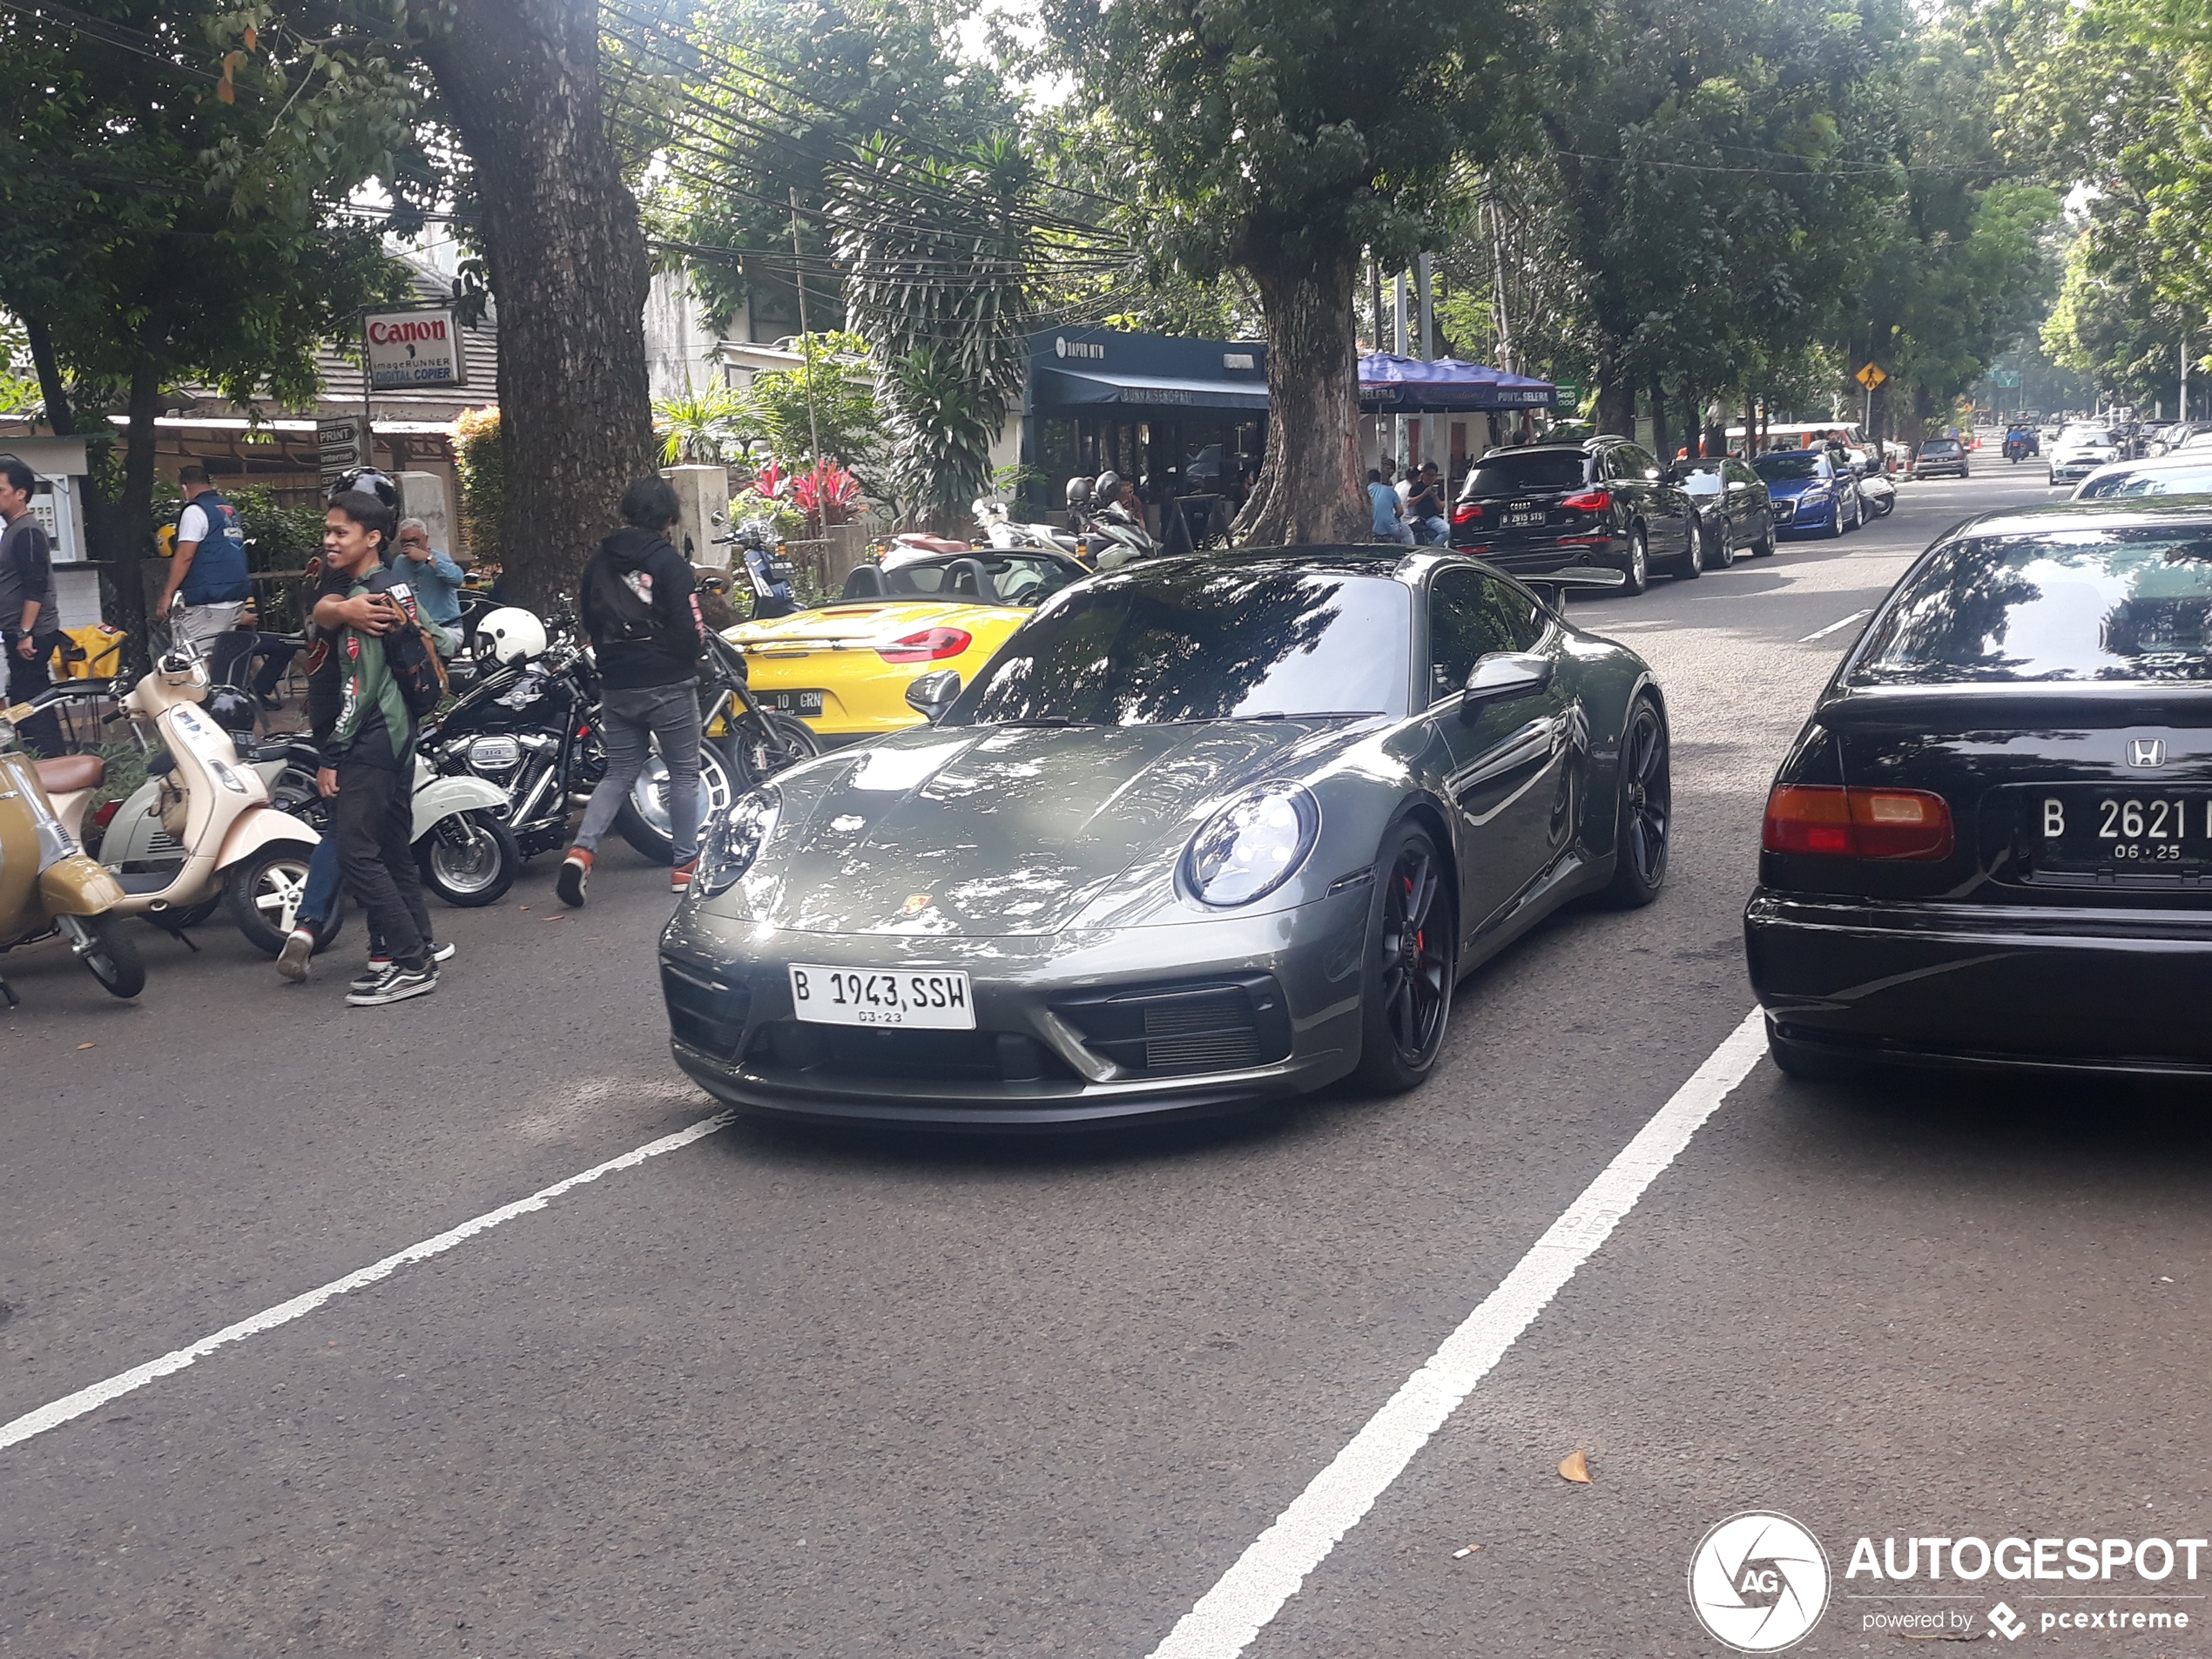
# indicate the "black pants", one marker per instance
pixel 373 820
pixel 42 732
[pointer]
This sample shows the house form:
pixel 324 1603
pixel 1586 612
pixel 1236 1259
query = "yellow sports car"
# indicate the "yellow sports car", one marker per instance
pixel 844 668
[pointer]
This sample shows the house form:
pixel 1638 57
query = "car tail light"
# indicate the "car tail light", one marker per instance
pixel 930 645
pixel 1826 822
pixel 1590 501
pixel 1465 513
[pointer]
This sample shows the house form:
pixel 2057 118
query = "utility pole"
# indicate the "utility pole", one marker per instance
pixel 1398 345
pixel 1425 293
pixel 1497 290
pixel 806 335
pixel 2185 369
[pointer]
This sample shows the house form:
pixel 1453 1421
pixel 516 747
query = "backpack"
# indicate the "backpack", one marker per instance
pixel 410 655
pixel 620 614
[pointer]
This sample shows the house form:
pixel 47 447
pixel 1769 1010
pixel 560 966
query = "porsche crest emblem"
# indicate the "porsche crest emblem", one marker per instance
pixel 916 903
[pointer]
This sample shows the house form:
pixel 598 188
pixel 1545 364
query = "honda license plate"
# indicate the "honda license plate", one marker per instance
pixel 930 1001
pixel 2097 830
pixel 800 702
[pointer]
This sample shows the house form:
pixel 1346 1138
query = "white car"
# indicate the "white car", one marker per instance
pixel 2080 451
pixel 2183 473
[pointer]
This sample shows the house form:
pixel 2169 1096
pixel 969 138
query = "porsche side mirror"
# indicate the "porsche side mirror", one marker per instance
pixel 932 694
pixel 1502 676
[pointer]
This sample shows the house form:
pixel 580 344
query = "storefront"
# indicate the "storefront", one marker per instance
pixel 1446 411
pixel 1183 418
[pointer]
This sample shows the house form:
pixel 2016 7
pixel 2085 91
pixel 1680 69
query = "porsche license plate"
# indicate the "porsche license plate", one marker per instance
pixel 933 1001
pixel 798 703
pixel 2121 829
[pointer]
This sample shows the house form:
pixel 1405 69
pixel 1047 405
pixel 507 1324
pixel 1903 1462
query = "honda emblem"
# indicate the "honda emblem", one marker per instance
pixel 2146 752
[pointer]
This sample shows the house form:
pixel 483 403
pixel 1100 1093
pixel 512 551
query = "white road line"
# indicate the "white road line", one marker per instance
pixel 1822 633
pixel 1252 1592
pixel 91 1399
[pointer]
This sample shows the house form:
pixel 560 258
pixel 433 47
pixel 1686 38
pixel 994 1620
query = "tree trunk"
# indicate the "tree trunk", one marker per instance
pixel 1311 487
pixel 1616 401
pixel 1660 446
pixel 134 513
pixel 568 274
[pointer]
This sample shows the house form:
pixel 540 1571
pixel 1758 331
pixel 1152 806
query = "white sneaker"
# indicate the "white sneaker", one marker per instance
pixel 299 950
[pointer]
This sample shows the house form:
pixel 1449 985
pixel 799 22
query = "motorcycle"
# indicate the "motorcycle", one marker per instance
pixel 1877 493
pixel 1109 535
pixel 467 855
pixel 531 729
pixel 47 885
pixel 1003 532
pixel 201 830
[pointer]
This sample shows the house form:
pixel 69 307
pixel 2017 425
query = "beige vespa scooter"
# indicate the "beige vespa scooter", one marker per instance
pixel 47 886
pixel 219 838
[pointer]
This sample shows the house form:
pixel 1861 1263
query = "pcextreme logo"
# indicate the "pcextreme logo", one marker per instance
pixel 1758 1583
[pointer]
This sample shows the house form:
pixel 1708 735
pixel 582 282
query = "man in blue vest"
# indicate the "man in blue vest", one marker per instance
pixel 208 582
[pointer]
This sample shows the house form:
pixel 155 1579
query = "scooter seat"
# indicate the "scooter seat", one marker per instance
pixel 70 774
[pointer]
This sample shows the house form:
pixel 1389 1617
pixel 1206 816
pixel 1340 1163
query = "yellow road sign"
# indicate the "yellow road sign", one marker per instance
pixel 1869 377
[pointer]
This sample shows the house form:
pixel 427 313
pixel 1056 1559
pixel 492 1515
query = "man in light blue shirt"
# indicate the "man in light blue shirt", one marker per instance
pixel 1386 511
pixel 434 578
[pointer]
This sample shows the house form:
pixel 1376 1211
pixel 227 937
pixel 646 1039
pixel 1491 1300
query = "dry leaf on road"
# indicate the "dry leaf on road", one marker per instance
pixel 1575 1466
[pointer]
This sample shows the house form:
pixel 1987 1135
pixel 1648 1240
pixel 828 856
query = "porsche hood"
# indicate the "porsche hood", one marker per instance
pixel 1009 830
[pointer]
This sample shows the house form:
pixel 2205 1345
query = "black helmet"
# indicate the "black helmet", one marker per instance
pixel 232 710
pixel 373 480
pixel 1079 492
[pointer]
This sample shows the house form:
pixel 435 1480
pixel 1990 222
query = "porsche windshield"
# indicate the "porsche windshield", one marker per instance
pixel 2078 605
pixel 1202 643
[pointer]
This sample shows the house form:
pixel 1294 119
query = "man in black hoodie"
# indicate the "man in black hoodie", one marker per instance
pixel 641 610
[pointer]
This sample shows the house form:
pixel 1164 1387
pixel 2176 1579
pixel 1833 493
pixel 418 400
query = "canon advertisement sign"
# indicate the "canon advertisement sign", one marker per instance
pixel 414 348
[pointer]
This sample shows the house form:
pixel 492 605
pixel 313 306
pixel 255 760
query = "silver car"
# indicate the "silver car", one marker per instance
pixel 1204 833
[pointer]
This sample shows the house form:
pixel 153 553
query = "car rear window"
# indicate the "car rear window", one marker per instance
pixel 1787 464
pixel 1940 446
pixel 1508 474
pixel 2078 605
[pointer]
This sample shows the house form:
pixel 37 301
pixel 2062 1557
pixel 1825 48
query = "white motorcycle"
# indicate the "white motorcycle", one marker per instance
pixel 1006 535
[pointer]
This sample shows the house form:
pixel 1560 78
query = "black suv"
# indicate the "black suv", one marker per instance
pixel 1546 506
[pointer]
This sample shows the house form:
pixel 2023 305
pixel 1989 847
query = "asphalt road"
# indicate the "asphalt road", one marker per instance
pixel 784 1392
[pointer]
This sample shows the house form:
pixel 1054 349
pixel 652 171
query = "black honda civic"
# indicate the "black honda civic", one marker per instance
pixel 1991 846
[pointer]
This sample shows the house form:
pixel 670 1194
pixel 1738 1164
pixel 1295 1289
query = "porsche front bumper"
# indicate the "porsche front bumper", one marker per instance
pixel 1082 1028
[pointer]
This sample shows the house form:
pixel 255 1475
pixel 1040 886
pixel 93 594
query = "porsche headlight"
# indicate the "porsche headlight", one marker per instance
pixel 1252 845
pixel 735 839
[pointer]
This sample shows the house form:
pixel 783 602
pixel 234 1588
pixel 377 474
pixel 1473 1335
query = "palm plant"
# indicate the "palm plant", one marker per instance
pixel 708 428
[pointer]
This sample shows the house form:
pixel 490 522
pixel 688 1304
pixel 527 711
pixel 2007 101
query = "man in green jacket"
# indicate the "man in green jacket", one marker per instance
pixel 368 770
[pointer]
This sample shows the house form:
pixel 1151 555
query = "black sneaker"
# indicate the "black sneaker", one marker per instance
pixel 370 977
pixel 399 983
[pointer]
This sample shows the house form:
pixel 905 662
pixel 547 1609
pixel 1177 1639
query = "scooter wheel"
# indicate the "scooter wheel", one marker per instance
pixel 112 955
pixel 264 892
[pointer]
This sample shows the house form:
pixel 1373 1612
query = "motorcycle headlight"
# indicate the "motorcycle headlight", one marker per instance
pixel 1252 845
pixel 735 839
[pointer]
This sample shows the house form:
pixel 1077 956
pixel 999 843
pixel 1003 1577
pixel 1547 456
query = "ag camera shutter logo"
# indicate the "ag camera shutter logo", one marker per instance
pixel 1758 1583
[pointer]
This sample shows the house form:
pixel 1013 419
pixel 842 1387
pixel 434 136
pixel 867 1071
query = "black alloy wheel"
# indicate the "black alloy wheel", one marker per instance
pixel 1692 564
pixel 1639 566
pixel 1645 824
pixel 1763 548
pixel 767 744
pixel 1407 996
pixel 469 858
pixel 1724 547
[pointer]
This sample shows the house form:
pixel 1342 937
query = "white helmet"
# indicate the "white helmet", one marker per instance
pixel 509 634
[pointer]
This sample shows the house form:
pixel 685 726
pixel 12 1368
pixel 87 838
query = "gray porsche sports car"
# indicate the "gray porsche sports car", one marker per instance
pixel 1205 832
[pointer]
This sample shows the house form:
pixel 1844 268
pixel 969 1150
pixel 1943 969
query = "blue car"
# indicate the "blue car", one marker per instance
pixel 1809 494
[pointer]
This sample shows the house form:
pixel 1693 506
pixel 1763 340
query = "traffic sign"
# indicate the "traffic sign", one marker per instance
pixel 1869 377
